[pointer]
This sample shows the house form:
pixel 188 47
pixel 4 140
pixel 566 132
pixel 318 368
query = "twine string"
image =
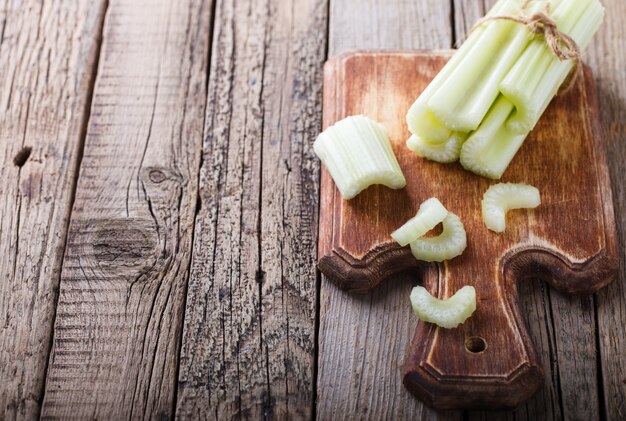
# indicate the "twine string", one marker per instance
pixel 540 23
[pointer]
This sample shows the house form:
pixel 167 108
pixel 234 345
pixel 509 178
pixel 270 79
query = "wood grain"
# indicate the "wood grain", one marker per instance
pixel 249 338
pixel 606 55
pixel 395 25
pixel 122 292
pixel 48 52
pixel 354 332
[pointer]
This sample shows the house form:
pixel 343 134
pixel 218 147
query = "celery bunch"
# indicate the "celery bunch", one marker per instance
pixel 492 92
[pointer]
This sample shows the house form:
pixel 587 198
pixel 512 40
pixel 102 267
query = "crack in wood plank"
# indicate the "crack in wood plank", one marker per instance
pixel 42 122
pixel 121 302
pixel 249 331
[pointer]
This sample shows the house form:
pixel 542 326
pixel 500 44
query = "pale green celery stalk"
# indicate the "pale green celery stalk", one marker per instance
pixel 489 150
pixel 447 245
pixel 446 152
pixel 444 313
pixel 430 213
pixel 357 153
pixel 501 198
pixel 536 77
pixel 465 97
pixel 420 120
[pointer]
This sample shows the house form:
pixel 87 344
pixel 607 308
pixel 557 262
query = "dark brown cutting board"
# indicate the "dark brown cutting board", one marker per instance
pixel 569 241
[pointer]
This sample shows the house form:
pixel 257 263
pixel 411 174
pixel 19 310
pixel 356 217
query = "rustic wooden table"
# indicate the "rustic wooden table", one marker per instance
pixel 159 215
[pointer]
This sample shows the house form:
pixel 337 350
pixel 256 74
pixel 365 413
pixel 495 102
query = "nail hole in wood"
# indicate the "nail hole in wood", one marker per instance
pixel 22 156
pixel 475 344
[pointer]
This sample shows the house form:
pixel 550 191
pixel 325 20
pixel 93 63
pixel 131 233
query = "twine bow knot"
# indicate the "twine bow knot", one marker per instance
pixel 540 23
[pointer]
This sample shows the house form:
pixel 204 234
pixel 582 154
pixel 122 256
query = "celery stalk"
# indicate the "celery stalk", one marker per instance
pixel 446 152
pixel 501 198
pixel 357 153
pixel 489 150
pixel 467 94
pixel 430 213
pixel 420 120
pixel 444 313
pixel 527 90
pixel 447 245
pixel 536 77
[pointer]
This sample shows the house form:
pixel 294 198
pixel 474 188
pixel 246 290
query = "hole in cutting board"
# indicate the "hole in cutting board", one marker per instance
pixel 475 344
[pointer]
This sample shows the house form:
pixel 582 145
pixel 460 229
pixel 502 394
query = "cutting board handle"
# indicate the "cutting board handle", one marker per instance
pixel 489 361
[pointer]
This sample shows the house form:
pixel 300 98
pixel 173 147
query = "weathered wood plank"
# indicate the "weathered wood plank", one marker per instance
pixel 606 56
pixel 363 340
pixel 249 337
pixel 122 293
pixel 396 25
pixel 562 328
pixel 48 52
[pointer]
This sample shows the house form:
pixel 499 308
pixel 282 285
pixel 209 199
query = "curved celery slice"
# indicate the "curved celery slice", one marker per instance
pixel 357 153
pixel 490 149
pixel 430 213
pixel 501 198
pixel 446 152
pixel 449 244
pixel 536 77
pixel 444 313
pixel 467 94
pixel 420 120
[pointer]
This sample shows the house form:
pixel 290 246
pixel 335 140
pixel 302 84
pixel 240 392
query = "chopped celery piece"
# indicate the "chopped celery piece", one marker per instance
pixel 430 213
pixel 446 152
pixel 490 149
pixel 357 153
pixel 536 77
pixel 444 313
pixel 420 120
pixel 462 101
pixel 449 244
pixel 501 198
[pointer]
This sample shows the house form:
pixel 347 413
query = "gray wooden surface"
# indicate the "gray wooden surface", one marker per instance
pixel 158 227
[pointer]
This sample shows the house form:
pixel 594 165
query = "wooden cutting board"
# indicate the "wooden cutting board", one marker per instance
pixel 569 241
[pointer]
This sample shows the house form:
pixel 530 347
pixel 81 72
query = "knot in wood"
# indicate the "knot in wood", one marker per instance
pixel 158 175
pixel 125 246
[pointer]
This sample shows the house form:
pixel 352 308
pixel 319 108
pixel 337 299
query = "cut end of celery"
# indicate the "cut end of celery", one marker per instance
pixel 446 152
pixel 490 149
pixel 501 198
pixel 430 213
pixel 444 313
pixel 357 153
pixel 448 245
pixel 423 123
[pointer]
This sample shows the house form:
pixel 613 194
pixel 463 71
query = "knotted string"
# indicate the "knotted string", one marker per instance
pixel 540 23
